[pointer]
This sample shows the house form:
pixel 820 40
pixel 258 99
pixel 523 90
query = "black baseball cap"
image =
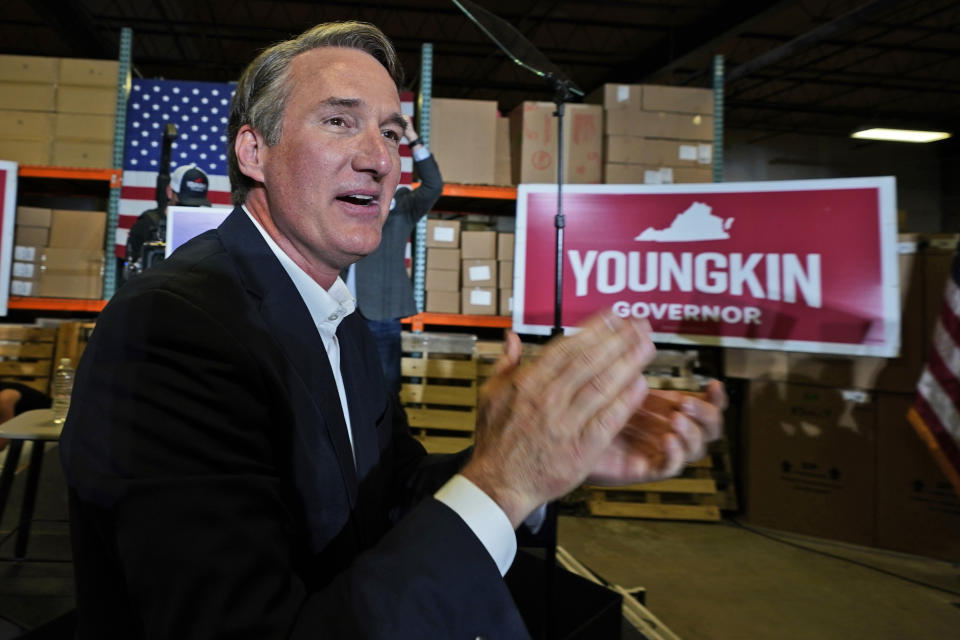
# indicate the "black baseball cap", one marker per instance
pixel 191 185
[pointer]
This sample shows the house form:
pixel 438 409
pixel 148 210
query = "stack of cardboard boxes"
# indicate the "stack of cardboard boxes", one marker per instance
pixel 57 111
pixel 442 286
pixel 478 250
pixel 468 271
pixel 656 134
pixel 505 267
pixel 58 253
pixel 829 451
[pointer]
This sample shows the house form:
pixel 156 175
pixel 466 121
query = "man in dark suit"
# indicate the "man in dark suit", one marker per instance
pixel 379 281
pixel 235 465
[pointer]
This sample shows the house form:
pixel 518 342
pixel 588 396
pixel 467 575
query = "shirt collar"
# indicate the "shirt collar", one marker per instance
pixel 327 307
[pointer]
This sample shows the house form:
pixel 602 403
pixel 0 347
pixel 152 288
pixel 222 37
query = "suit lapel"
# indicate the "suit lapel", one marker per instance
pixel 290 324
pixel 355 380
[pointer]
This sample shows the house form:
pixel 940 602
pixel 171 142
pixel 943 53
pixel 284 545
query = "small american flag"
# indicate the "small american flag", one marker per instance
pixel 936 410
pixel 200 110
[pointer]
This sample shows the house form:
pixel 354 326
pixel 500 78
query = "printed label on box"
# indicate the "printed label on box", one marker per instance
pixel 443 234
pixel 481 298
pixel 687 152
pixel 479 273
pixel 21 287
pixel 623 93
pixel 907 247
pixel 24 253
pixel 23 269
pixel 705 153
pixel 652 176
pixel 666 175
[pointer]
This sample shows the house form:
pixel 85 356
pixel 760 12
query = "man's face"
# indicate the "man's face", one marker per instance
pixel 330 178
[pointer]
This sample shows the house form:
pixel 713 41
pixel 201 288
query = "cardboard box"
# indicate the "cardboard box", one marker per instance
pixel 505 242
pixel 478 245
pixel 84 126
pixel 811 460
pixel 463 137
pixel 88 73
pixel 26 151
pixel 75 261
pixel 92 155
pixel 653 97
pixel 658 97
pixel 505 277
pixel 78 229
pixel 533 132
pixel 26 125
pixel 27 96
pixel 95 100
pixel 446 259
pixel 443 301
pixel 502 171
pixel 655 152
pixel 36 69
pixel 693 175
pixel 33 216
pixel 442 280
pixel 618 96
pixel 479 301
pixel 505 306
pixel 479 273
pixel 917 509
pixel 33 236
pixel 660 124
pixel 756 364
pixel 66 285
pixel 443 233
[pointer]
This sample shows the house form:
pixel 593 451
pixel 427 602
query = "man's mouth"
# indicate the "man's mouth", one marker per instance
pixel 358 199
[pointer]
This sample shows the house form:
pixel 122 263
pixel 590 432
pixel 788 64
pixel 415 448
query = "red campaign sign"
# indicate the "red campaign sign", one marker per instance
pixel 805 265
pixel 8 204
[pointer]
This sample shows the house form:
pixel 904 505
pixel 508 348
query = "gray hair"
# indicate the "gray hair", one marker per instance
pixel 262 92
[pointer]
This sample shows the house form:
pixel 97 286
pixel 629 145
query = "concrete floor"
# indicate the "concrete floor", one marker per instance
pixel 726 581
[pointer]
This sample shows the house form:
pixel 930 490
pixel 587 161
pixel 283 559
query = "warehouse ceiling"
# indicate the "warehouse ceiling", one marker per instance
pixel 807 67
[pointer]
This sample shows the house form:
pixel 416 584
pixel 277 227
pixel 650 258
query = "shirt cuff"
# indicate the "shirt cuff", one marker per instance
pixel 420 152
pixel 484 517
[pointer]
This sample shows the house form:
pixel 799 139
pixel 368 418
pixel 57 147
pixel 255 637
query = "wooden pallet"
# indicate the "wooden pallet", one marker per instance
pixel 439 389
pixel 691 496
pixel 26 355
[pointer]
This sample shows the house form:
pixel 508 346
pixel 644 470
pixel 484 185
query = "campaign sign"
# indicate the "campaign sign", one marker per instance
pixel 804 265
pixel 184 223
pixel 8 208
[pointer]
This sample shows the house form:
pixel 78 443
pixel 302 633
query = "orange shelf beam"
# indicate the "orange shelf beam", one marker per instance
pixel 477 191
pixel 113 176
pixel 418 321
pixel 55 304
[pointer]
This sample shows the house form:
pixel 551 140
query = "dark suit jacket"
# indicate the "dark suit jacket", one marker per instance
pixel 384 290
pixel 213 491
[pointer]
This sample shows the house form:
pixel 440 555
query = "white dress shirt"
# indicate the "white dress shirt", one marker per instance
pixel 327 308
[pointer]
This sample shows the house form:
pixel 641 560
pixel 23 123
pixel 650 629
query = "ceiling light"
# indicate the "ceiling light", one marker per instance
pixel 900 135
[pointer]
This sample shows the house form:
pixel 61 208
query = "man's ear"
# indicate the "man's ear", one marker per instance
pixel 249 147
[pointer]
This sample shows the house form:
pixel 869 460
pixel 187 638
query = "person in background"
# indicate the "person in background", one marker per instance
pixel 15 398
pixel 379 281
pixel 188 188
pixel 235 464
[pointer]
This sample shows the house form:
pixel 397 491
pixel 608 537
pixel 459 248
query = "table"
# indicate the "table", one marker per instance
pixel 38 427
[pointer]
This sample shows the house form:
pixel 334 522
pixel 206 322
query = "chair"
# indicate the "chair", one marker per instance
pixel 35 426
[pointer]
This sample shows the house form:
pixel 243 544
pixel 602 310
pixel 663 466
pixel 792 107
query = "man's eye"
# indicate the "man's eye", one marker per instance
pixel 392 135
pixel 337 122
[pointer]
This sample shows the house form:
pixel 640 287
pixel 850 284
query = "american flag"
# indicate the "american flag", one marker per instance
pixel 936 410
pixel 200 110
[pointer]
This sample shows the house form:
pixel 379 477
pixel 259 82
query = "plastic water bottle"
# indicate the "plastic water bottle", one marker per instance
pixel 62 388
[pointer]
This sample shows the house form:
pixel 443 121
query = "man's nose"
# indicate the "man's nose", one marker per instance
pixel 375 154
